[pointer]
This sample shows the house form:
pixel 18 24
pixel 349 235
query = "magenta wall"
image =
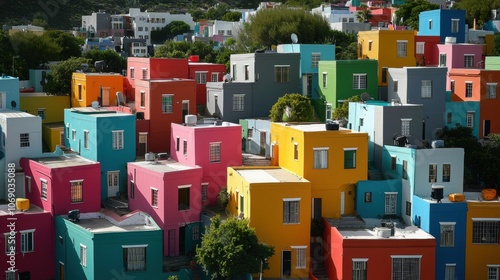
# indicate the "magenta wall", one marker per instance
pixel 166 215
pixel 58 186
pixel 199 139
pixel 40 262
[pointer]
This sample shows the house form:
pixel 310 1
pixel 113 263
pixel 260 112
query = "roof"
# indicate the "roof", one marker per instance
pixel 373 226
pixel 101 222
pixel 478 197
pixel 271 175
pixel 4 210
pixel 64 161
pixel 7 113
pixel 317 127
pixel 98 112
pixel 164 166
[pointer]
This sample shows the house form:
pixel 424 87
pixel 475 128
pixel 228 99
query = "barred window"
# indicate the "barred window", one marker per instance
pixel 485 232
pixel 359 81
pixel 24 139
pixel 359 269
pixel 291 208
pixel 76 188
pixel 215 152
pixel 447 234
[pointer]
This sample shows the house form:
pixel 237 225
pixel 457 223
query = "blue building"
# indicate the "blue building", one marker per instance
pixel 446 221
pixel 9 93
pixel 378 198
pixel 104 136
pixel 443 23
pixel 256 136
pixel 456 115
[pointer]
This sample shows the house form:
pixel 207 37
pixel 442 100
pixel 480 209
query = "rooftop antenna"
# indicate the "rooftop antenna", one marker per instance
pixel 295 39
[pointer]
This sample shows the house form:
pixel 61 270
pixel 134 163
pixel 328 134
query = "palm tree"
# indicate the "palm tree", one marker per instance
pixel 364 15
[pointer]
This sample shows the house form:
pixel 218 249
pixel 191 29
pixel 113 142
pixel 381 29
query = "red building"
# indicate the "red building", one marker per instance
pixel 408 253
pixel 64 183
pixel 426 50
pixel 203 73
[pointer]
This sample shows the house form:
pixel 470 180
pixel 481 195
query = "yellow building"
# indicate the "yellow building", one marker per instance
pixel 332 160
pixel 277 204
pixel 53 135
pixel 392 49
pixel 482 251
pixel 49 107
pixel 89 87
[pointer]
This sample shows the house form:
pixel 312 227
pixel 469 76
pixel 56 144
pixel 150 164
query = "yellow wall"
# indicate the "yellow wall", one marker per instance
pixel 478 256
pixel 91 83
pixel 54 106
pixel 384 48
pixel 327 184
pixel 488 46
pixel 51 134
pixel 264 209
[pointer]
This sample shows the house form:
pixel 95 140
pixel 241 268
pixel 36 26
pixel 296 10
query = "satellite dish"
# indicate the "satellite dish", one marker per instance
pixel 365 97
pixel 294 37
pixel 228 77
pixel 13 104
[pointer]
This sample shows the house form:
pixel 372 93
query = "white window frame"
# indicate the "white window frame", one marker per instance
pixel 73 134
pixel 167 108
pixel 491 90
pixel 86 139
pixel 450 271
pixel 117 139
pixel 320 158
pixel 315 58
pixel 154 197
pixel 214 154
pixel 430 24
pixel 447 234
pixel 353 164
pixel 359 81
pixel 446 176
pixel 442 59
pixel 402 275
pixel 247 72
pixel 179 188
pixel 200 77
pixel 433 172
pixel 10 274
pixel 420 48
pixel 469 119
pixel 455 27
pixel 132 74
pixel 468 60
pixel 390 203
pixel 406 127
pixel 469 86
pixel 25 234
pixel 238 102
pixel 204 191
pixel 325 79
pixel 426 89
pixel 144 73
pixel 359 269
pixel 83 255
pixel 402 48
pixel 300 253
pixel 214 77
pixel 291 216
pixel 112 175
pixel 493 271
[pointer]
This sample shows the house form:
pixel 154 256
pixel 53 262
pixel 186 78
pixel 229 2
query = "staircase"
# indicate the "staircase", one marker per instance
pixel 347 222
pixel 317 261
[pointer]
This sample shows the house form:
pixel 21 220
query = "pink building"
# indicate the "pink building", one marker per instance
pixel 28 242
pixel 64 183
pixel 460 56
pixel 171 194
pixel 426 50
pixel 213 146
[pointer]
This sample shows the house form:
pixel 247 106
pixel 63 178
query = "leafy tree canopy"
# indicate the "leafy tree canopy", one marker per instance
pixel 171 30
pixel 59 79
pixel 231 248
pixel 477 9
pixel 292 107
pixel 409 12
pixel 114 62
pixel 342 111
pixel 70 45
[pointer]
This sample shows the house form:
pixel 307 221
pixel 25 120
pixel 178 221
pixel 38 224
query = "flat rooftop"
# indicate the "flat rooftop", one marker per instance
pixel 164 166
pixel 98 112
pixel 7 113
pixel 478 197
pixel 4 210
pixel 102 223
pixel 271 175
pixel 316 127
pixel 64 161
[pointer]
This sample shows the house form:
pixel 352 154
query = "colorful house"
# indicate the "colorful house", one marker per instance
pixel 443 23
pixel 459 56
pixel 103 245
pixel 373 195
pixel 288 213
pixel 203 73
pixel 332 160
pixel 213 147
pixel 9 93
pixel 426 51
pixel 64 183
pixel 161 102
pixel 482 253
pixel 171 193
pixel 473 87
pixel 89 87
pixel 28 242
pixel 446 221
pixel 104 136
pixel 423 169
pixel 342 79
pixel 421 85
pixel 38 79
pixel 376 253
pixel 256 136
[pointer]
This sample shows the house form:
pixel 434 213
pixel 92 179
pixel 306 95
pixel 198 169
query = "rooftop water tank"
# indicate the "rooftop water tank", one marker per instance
pixel 450 40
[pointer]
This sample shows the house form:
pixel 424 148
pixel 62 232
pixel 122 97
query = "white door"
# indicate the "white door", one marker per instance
pixel 342 203
pixel 390 203
pixel 113 183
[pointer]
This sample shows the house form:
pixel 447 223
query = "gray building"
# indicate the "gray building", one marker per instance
pixel 421 85
pixel 257 81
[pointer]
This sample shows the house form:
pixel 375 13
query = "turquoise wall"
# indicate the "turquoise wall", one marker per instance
pixel 376 208
pixel 459 114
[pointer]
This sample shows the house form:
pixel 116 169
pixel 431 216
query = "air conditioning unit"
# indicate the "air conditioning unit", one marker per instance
pixel 149 156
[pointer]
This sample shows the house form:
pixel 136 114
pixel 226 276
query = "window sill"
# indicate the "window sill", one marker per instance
pixel 73 203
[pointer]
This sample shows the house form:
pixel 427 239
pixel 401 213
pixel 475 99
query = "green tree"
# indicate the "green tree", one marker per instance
pixel 232 16
pixel 496 44
pixel 274 26
pixel 69 44
pixel 477 9
pixel 346 45
pixel 231 249
pixel 171 30
pixel 40 22
pixel 364 15
pixel 292 107
pixel 7 54
pixel 59 79
pixel 218 11
pixel 114 62
pixel 409 12
pixel 342 111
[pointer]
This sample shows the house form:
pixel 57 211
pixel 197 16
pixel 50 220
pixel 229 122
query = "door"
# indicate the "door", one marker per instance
pixel 61 138
pixel 113 183
pixel 182 240
pixel 317 208
pixel 342 203
pixel 390 203
pixel 143 143
pixel 486 128
pixel 328 111
pixel 61 271
pixel 105 96
pixel 286 263
pixel 185 110
pixel 262 143
pixel 171 242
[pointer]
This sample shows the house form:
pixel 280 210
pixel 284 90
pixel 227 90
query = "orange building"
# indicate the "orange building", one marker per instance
pixel 89 87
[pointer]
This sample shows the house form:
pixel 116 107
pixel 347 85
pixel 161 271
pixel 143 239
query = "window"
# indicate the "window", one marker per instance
pixel 404 268
pixel 247 72
pixel 250 133
pixel 67 131
pixel 449 118
pixel 430 24
pixel 229 32
pixel 454 25
pixel 27 240
pixel 291 211
pixel 300 252
pixel 10 275
pixel 446 172
pixel 468 89
pixel 204 191
pixel 214 152
pixel 315 58
pixel 80 92
pixel 184 147
pixel 408 208
pixel 368 197
pixel 384 75
pixel 117 139
pixel 282 73
pixel 134 258
pixel 154 197
pixel 195 232
pixel 242 204
pixel 238 102
pixel 325 79
pixel 320 158
pixel 83 255
pixel 393 162
pixel 200 77
pixel 359 269
pixel 113 178
pixel 406 127
pixel 426 89
pixel 166 103
pixel 349 158
pixel 24 140
pixel 402 48
pixel 132 73
pixel 144 73
pixel 41 113
pixel 215 77
pixel 485 231
pixel 184 198
pixel 143 99
pixel 452 86
pixel 177 143
pixel 491 90
pixel 395 86
pixel 9 243
pixel 470 119
pixel 234 72
pixel 43 184
pixel 447 234
pixel 493 272
pixel 432 173
pixel 468 60
pixel 442 59
pixel 370 45
pixel 359 81
pixel 73 134
pixel 420 48
pixel 295 151
pixel 132 189
pixel 405 169
pixel 449 272
pixel 220 32
pixel 86 139
pixel 76 189
pixel 390 203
